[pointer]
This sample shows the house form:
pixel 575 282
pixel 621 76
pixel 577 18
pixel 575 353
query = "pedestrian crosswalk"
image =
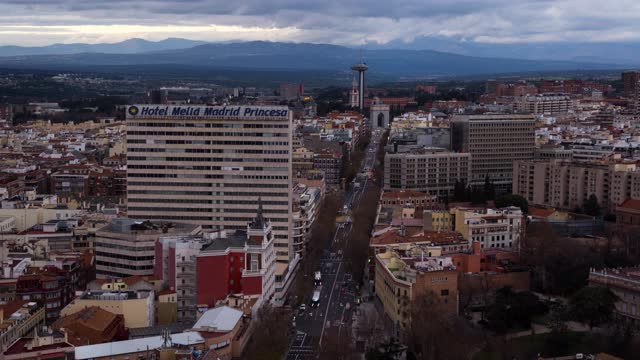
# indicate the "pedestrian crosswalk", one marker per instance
pixel 300 348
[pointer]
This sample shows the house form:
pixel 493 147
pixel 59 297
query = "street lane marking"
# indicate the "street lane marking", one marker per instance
pixel 327 312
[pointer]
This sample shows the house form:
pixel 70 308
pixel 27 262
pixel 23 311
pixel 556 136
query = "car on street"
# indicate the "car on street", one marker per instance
pixel 303 307
pixel 317 278
pixel 315 299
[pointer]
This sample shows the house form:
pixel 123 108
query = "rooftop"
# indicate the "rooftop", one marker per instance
pixel 126 225
pixel 20 346
pixel 631 204
pixel 541 212
pixel 130 280
pixel 407 268
pixel 112 295
pixel 133 346
pixel 236 239
pixel 404 194
pixel 136 333
pixel 10 308
pixel 394 236
pixel 630 274
pixel 220 319
pixel 90 325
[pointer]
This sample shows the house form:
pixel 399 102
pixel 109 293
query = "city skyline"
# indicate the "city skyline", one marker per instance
pixel 196 180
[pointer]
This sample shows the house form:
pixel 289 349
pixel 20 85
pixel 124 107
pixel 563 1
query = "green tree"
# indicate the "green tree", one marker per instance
pixel 512 200
pixel 591 206
pixel 558 342
pixel 460 191
pixel 489 189
pixel 477 196
pixel 513 310
pixel 593 305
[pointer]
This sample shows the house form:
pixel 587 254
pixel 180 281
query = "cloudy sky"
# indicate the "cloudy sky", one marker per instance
pixel 347 22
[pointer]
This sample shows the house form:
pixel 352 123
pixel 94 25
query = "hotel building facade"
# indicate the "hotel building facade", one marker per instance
pixel 209 165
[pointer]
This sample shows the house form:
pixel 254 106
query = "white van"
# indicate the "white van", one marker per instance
pixel 315 299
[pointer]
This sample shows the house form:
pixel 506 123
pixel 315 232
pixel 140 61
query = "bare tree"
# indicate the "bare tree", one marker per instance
pixel 357 244
pixel 370 328
pixel 270 339
pixel 476 289
pixel 337 346
pixel 321 232
pixel 623 240
pixel 561 264
pixel 535 246
pixel 433 335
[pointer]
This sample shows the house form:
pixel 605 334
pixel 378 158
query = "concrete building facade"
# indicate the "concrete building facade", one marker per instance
pixel 494 143
pixel 431 170
pixel 137 307
pixel 630 81
pixel 175 264
pixel 126 247
pixel 400 280
pixel 18 319
pixel 546 104
pixel 567 184
pixel 243 263
pixel 625 283
pixel 207 165
pixel 492 228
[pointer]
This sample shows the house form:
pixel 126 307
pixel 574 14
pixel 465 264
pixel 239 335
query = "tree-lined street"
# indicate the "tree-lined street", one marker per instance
pixel 325 330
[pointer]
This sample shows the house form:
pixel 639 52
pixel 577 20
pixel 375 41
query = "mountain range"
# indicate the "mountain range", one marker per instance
pixel 279 56
pixel 626 53
pixel 131 46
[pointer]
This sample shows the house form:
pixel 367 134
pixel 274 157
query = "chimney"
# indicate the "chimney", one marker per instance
pixel 475 247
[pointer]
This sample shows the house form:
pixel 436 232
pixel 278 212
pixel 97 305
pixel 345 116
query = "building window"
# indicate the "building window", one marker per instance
pixel 444 292
pixel 254 262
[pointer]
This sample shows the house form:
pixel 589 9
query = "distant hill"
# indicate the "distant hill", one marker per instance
pixel 131 46
pixel 627 53
pixel 265 56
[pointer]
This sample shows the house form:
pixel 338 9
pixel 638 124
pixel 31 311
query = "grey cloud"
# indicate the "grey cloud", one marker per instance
pixel 350 21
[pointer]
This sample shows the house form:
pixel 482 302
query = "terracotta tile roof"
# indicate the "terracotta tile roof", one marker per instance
pixel 20 347
pixel 403 194
pixel 9 308
pixel 166 292
pixel 631 204
pixel 408 222
pixel 540 212
pixel 41 277
pixel 131 280
pixel 415 236
pixel 92 325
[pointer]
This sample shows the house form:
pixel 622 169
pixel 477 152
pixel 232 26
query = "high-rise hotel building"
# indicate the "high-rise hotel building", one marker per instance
pixel 209 165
